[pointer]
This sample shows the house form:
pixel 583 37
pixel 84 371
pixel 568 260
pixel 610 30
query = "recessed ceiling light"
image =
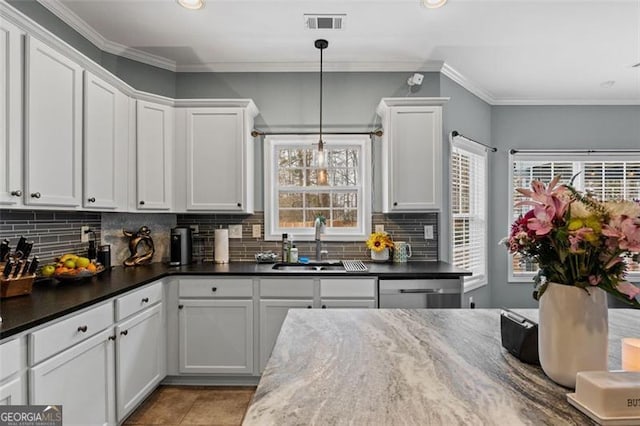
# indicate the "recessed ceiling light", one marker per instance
pixel 607 84
pixel 191 4
pixel 434 4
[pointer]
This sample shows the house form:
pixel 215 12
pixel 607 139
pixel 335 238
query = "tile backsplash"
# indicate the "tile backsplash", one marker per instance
pixel 58 232
pixel 407 227
pixel 53 232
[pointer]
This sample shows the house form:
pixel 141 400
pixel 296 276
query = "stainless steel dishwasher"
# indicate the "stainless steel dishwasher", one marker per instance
pixel 420 293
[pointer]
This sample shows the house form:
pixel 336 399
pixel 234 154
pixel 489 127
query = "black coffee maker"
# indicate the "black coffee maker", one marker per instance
pixel 181 243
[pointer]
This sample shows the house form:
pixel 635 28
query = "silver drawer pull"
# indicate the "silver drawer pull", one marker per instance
pixel 421 290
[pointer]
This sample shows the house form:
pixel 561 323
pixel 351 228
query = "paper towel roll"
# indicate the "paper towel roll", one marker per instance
pixel 221 246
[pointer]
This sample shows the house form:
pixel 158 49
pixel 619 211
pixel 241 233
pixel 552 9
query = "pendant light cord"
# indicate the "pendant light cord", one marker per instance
pixel 320 141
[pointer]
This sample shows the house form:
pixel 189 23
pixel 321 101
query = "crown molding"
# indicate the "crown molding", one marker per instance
pixel 566 102
pixel 428 66
pixel 87 31
pixel 471 86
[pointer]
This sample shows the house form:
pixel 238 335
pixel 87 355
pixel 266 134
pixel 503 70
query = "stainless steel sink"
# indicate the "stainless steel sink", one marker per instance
pixel 313 267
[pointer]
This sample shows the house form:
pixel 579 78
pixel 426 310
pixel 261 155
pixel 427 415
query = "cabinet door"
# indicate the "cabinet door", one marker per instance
pixel 12 391
pixel 348 304
pixel 139 358
pixel 106 124
pixel 11 189
pixel 53 133
pixel 215 165
pixel 81 379
pixel 415 154
pixel 153 155
pixel 272 315
pixel 216 336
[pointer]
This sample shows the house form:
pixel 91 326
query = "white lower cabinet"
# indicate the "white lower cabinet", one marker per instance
pixel 140 353
pixel 272 315
pixel 216 336
pixel 81 379
pixel 12 391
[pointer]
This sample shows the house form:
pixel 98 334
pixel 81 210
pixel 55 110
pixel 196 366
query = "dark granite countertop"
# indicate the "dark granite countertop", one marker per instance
pixel 410 367
pixel 50 300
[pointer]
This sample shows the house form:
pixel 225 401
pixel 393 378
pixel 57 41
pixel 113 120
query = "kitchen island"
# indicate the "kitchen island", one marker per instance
pixel 422 367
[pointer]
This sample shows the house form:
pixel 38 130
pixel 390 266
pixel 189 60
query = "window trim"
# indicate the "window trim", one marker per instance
pixel 527 277
pixel 472 282
pixel 272 232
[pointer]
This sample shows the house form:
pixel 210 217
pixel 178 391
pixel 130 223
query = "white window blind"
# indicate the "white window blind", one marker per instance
pixel 295 195
pixel 469 210
pixel 607 176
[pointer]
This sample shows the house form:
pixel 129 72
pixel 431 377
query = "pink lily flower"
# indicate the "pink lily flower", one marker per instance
pixel 541 222
pixel 538 192
pixel 629 289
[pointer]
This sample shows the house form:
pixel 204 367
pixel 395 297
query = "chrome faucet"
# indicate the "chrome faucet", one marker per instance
pixel 319 222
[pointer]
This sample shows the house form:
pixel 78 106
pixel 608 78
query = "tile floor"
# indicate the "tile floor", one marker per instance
pixel 193 405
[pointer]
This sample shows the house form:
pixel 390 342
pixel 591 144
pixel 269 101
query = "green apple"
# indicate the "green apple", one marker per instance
pixel 70 264
pixel 47 270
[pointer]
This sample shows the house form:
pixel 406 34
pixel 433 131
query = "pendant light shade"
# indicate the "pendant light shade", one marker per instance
pixel 322 159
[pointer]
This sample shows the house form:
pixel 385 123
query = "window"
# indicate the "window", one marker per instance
pixel 294 195
pixel 469 210
pixel 609 177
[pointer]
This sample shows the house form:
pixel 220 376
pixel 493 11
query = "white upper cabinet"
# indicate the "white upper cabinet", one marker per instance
pixel 53 128
pixel 154 148
pixel 214 158
pixel 106 124
pixel 411 154
pixel 11 44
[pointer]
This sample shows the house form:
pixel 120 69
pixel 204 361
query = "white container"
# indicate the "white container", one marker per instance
pixel 573 332
pixel 608 395
pixel 221 246
pixel 293 255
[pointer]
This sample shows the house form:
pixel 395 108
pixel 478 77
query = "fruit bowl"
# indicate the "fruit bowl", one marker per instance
pixel 78 274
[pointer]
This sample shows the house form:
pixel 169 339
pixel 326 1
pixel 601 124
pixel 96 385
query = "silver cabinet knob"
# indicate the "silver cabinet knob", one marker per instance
pixel 16 193
pixel 35 195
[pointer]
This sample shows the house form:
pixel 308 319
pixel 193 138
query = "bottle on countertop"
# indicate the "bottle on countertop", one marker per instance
pixel 293 254
pixel 285 248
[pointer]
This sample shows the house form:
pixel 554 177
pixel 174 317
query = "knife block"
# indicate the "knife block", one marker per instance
pixel 11 287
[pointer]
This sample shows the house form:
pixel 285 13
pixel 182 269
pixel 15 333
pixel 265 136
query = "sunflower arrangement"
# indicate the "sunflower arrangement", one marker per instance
pixel 379 241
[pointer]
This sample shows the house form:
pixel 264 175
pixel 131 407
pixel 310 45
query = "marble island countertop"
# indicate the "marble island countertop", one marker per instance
pixel 411 367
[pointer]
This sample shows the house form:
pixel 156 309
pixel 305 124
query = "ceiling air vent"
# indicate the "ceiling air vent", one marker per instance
pixel 324 22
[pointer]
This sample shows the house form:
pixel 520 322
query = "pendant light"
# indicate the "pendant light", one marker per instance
pixel 322 159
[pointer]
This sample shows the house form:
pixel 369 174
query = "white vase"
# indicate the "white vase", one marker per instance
pixel 572 332
pixel 380 256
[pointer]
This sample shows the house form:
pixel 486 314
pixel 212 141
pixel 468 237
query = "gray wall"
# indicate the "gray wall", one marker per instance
pixel 140 76
pixel 544 127
pixel 471 116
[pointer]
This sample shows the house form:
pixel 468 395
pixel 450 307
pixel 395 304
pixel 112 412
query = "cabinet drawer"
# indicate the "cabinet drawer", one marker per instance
pixel 10 357
pixel 344 287
pixel 63 334
pixel 138 300
pixel 216 287
pixel 283 287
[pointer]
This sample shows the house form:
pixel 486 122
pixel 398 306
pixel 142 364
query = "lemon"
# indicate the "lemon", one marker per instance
pixel 70 264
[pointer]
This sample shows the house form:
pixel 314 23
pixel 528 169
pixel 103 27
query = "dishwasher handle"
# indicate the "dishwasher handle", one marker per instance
pixel 420 290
